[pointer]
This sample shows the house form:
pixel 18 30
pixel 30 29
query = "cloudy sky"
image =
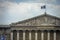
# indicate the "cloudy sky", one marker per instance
pixel 17 10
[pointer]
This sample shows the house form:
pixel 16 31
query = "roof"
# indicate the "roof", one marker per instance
pixel 45 14
pixel 4 26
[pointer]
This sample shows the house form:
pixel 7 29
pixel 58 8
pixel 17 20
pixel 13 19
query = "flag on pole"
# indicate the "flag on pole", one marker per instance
pixel 43 7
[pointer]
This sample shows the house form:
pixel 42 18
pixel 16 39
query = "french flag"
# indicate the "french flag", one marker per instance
pixel 43 7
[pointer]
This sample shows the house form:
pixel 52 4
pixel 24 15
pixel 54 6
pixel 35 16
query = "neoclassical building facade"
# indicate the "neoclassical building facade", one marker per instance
pixel 42 27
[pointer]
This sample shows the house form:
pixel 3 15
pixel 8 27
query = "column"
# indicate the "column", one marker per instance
pixel 29 35
pixel 54 35
pixel 11 35
pixel 17 35
pixel 42 35
pixel 23 35
pixel 35 35
pixel 48 37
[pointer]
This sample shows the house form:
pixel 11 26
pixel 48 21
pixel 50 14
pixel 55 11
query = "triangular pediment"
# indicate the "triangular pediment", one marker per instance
pixel 41 20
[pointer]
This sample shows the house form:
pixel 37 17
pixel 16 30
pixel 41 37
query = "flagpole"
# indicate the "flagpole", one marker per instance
pixel 45 5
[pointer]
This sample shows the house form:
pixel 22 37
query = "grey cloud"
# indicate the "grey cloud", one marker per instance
pixel 58 2
pixel 36 1
pixel 2 11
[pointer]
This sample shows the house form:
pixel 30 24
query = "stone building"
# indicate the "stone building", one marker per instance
pixel 42 27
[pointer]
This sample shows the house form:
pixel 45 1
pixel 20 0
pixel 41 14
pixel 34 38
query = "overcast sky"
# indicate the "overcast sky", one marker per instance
pixel 17 10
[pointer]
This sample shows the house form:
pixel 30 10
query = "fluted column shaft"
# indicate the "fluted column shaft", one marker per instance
pixel 42 35
pixel 36 35
pixel 11 35
pixel 54 35
pixel 17 35
pixel 23 35
pixel 29 35
pixel 48 38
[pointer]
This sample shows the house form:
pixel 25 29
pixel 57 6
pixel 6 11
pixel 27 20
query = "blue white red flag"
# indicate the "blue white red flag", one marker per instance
pixel 43 7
